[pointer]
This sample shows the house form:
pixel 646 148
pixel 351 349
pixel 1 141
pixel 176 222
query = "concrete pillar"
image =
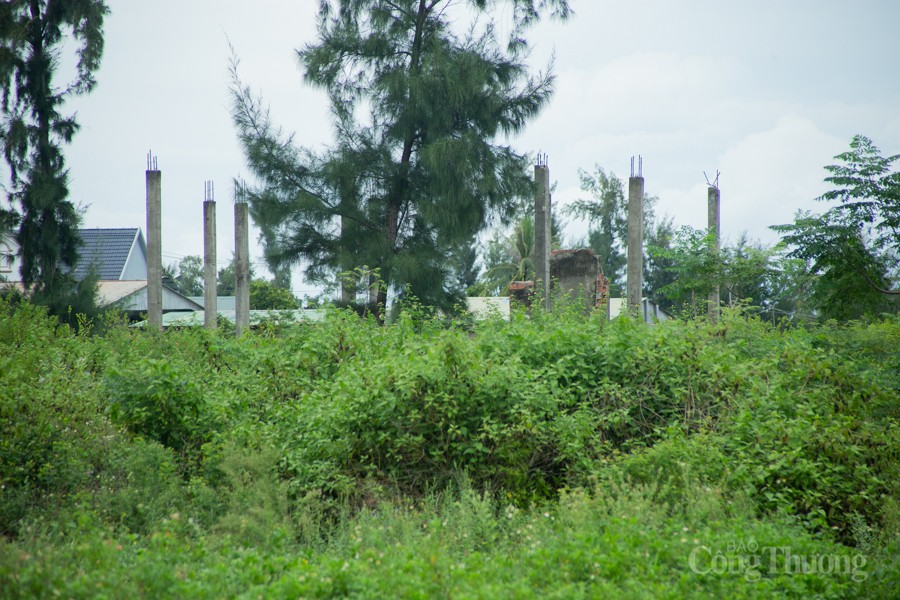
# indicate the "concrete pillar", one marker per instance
pixel 713 197
pixel 635 259
pixel 242 267
pixel 154 245
pixel 542 232
pixel 210 296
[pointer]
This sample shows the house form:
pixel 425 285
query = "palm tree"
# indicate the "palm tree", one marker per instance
pixel 512 258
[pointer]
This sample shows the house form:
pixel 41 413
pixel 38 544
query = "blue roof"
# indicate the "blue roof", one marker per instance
pixel 107 250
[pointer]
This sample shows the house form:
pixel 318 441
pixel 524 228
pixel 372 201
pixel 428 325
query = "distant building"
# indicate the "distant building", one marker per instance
pixel 119 257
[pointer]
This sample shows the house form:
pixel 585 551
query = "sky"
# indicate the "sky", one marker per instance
pixel 765 93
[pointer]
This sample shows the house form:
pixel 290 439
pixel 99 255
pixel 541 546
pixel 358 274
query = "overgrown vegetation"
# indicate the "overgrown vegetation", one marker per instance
pixel 555 455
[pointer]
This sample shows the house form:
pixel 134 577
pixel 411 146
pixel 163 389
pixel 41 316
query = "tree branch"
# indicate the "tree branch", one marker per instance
pixel 875 287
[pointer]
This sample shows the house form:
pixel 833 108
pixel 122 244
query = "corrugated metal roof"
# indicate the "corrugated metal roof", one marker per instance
pixel 130 296
pixel 222 302
pixel 136 299
pixel 106 250
pixel 196 318
pixel 113 291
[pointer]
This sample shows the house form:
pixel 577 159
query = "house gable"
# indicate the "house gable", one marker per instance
pixel 107 251
pixel 136 263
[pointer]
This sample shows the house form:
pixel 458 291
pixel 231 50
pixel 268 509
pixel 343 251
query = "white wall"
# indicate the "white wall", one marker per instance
pixel 484 307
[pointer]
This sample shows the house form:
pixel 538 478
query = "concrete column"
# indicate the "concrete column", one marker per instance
pixel 242 267
pixel 713 197
pixel 635 260
pixel 210 296
pixel 542 232
pixel 154 246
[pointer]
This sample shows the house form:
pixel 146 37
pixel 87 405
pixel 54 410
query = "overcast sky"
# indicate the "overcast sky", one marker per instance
pixel 766 92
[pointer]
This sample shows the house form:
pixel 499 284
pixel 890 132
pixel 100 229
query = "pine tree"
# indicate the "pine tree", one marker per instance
pixel 33 130
pixel 419 102
pixel 606 212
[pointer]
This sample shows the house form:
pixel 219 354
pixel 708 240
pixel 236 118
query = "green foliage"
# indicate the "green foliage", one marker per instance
pixel 659 235
pixel 854 247
pixel 265 295
pixel 464 265
pixel 257 507
pixel 440 410
pixel 152 398
pixel 57 448
pixel 226 278
pixel 419 93
pixel 616 542
pixel 186 277
pixel 607 214
pixel 745 272
pixel 554 454
pixel 511 257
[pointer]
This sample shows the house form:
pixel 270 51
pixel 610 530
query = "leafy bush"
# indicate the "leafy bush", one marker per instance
pixel 419 417
pixel 154 399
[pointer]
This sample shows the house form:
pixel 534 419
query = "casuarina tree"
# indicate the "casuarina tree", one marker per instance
pixel 33 33
pixel 422 94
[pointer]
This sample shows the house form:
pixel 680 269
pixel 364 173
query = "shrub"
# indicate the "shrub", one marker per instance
pixel 155 399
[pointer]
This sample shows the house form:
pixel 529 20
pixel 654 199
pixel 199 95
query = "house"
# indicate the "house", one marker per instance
pixel 119 257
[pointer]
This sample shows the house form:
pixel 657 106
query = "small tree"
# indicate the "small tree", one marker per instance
pixel 606 211
pixel 226 279
pixel 744 271
pixel 511 257
pixel 265 295
pixel 658 266
pixel 189 276
pixel 854 247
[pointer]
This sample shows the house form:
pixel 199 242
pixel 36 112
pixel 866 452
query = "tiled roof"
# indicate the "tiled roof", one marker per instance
pixel 106 249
